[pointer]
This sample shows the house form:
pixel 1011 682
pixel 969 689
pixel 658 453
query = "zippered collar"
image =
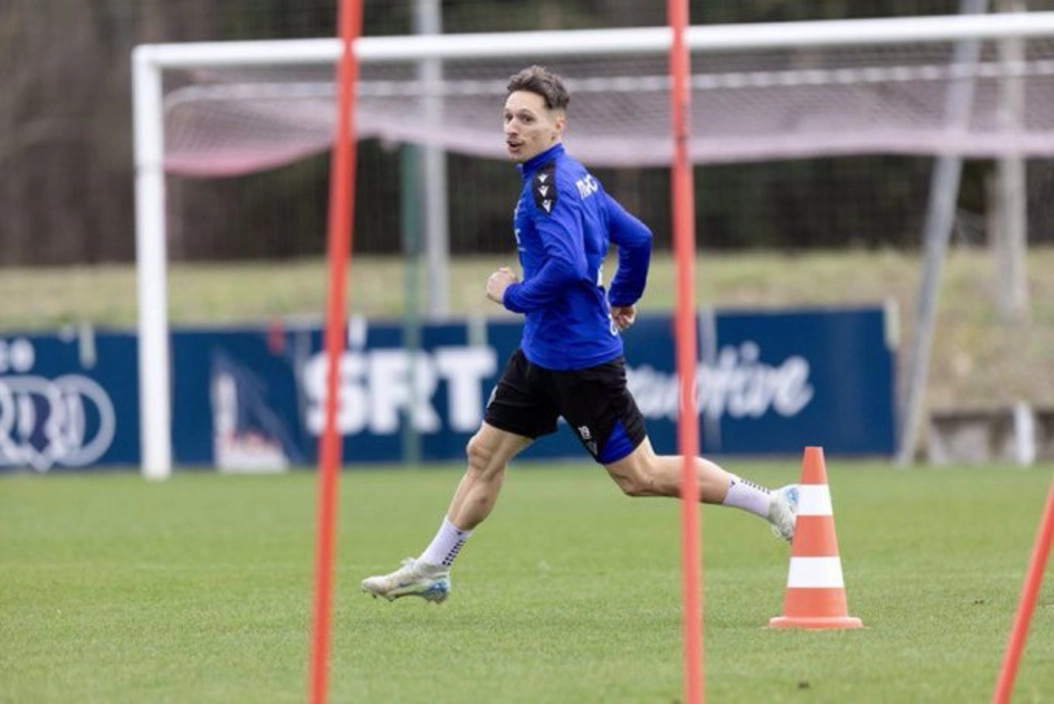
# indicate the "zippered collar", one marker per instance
pixel 528 167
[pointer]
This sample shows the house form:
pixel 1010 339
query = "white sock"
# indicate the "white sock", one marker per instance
pixel 748 496
pixel 445 546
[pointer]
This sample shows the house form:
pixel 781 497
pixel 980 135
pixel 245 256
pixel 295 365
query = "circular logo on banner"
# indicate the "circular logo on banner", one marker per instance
pixel 67 421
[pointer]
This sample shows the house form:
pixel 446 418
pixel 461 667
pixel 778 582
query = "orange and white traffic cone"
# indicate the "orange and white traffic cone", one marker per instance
pixel 815 589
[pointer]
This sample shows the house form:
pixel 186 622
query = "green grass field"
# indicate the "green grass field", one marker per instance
pixel 199 589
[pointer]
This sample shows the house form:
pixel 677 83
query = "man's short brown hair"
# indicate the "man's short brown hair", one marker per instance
pixel 541 81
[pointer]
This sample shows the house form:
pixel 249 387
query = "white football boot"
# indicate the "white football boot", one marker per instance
pixel 783 511
pixel 430 582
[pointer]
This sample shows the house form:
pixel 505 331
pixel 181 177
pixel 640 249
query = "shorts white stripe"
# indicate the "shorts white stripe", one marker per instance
pixel 815 572
pixel 814 500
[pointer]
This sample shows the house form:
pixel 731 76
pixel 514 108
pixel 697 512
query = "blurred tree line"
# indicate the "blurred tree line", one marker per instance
pixel 66 195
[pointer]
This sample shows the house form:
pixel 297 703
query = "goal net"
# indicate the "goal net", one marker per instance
pixel 967 86
pixel 759 92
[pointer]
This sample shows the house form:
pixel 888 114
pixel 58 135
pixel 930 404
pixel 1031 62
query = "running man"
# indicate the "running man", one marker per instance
pixel 570 361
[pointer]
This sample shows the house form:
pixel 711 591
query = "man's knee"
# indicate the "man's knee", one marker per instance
pixel 477 452
pixel 484 454
pixel 491 449
pixel 633 484
pixel 634 475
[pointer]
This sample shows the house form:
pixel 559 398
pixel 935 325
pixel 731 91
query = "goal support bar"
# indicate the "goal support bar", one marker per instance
pixel 640 40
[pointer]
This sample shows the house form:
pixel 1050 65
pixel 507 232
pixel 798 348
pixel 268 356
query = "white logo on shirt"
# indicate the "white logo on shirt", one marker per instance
pixel 587 186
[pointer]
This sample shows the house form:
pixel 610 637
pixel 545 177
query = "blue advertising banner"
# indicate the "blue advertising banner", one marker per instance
pixel 69 400
pixel 251 398
pixel 768 383
pixel 772 382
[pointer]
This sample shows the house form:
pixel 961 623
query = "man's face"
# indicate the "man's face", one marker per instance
pixel 530 127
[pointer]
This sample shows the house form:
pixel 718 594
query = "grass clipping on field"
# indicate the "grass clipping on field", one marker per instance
pixel 979 359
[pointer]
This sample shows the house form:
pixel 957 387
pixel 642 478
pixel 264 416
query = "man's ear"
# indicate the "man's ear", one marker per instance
pixel 560 123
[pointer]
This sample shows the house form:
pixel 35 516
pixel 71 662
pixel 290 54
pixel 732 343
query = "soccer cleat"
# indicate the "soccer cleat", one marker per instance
pixel 783 511
pixel 430 582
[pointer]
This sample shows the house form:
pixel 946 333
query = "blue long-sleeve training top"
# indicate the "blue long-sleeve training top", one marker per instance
pixel 564 223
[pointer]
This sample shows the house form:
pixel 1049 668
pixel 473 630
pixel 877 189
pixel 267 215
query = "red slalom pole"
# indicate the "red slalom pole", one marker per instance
pixel 687 355
pixel 341 220
pixel 1033 578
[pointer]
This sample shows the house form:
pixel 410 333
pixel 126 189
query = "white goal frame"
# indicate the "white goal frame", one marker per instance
pixel 149 62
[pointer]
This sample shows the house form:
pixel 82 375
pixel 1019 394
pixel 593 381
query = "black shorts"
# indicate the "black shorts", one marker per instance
pixel 594 401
